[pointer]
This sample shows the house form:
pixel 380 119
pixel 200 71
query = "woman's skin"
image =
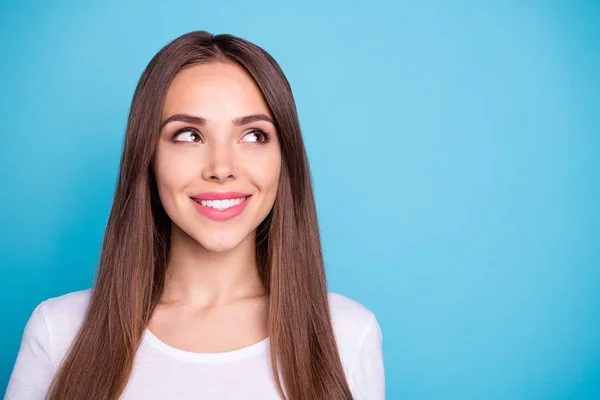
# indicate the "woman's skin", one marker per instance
pixel 214 300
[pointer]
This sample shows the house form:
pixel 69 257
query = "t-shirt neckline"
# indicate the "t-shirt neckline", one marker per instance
pixel 226 356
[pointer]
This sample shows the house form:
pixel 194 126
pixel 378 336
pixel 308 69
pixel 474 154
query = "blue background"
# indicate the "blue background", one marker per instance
pixel 454 148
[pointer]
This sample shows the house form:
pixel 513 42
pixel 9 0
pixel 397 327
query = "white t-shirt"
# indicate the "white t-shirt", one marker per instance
pixel 164 372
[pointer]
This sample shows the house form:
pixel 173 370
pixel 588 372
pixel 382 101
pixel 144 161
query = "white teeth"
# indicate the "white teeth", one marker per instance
pixel 221 204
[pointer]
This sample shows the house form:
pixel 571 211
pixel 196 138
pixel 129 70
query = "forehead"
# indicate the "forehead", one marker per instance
pixel 215 90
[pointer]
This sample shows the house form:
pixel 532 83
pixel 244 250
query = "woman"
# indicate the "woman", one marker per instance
pixel 211 275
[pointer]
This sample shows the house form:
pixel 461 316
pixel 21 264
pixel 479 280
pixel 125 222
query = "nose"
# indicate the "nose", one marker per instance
pixel 219 163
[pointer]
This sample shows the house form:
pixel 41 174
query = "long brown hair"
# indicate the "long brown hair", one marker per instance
pixel 135 250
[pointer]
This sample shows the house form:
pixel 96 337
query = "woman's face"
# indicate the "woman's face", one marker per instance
pixel 204 146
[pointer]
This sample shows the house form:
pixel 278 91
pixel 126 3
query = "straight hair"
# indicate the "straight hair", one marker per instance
pixel 135 251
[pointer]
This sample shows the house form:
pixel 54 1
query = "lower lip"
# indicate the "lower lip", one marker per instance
pixel 221 215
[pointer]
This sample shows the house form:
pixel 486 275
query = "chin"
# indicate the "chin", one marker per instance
pixel 218 244
pixel 218 247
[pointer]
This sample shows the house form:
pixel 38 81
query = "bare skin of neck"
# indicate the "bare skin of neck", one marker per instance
pixel 213 301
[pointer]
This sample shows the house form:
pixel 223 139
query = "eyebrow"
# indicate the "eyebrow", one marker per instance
pixel 191 119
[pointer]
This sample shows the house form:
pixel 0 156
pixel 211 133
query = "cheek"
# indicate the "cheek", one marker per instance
pixel 171 173
pixel 266 173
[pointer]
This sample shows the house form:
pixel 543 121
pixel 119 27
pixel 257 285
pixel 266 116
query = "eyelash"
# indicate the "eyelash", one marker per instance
pixel 267 137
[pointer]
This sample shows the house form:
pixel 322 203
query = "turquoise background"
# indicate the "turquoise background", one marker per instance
pixel 454 148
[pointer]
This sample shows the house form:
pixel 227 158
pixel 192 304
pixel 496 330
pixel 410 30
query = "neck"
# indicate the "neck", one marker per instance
pixel 200 278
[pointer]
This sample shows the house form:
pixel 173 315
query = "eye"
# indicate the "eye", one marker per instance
pixel 190 135
pixel 186 133
pixel 259 133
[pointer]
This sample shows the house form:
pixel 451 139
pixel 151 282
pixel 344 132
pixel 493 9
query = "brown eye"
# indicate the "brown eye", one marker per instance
pixel 186 135
pixel 259 134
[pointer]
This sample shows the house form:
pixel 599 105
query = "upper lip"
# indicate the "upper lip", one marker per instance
pixel 219 195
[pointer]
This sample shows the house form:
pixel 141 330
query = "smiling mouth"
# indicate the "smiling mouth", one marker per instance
pixel 221 204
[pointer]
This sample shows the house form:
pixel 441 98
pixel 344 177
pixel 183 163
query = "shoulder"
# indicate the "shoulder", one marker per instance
pixel 66 309
pixel 62 317
pixel 348 314
pixel 352 323
pixel 359 340
pixel 47 336
pixel 67 302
